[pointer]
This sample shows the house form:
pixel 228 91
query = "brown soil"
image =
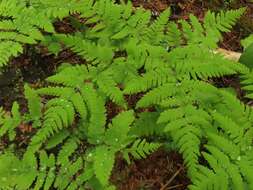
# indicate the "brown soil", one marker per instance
pixel 160 171
pixel 33 67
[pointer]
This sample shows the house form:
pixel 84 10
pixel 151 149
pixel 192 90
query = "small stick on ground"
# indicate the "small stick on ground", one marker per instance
pixel 171 179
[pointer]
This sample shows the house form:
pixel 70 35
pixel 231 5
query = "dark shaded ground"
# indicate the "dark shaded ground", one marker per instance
pixel 33 67
pixel 161 170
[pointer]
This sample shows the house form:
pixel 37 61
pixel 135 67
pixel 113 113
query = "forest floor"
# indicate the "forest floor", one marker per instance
pixel 161 170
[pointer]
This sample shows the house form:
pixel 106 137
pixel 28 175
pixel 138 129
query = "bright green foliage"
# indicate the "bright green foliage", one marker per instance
pixel 146 125
pixel 104 160
pixel 10 122
pixel 75 114
pixel 21 26
pixel 74 143
pixel 247 41
pixel 34 105
pixel 247 82
pixel 21 22
pixel 57 9
pixel 246 59
pixel 140 149
pixel 184 124
pixel 11 169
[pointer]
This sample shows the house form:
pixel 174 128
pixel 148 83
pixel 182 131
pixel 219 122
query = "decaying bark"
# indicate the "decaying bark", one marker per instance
pixel 234 56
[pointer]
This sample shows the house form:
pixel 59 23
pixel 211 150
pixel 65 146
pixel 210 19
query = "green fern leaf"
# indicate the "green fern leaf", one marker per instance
pixel 96 106
pixel 140 149
pixel 57 139
pixel 109 87
pixel 208 179
pixel 117 134
pixel 51 172
pixel 157 95
pixel 88 50
pixel 149 80
pixel 10 123
pixel 146 125
pixel 42 170
pixel 158 27
pixel 67 172
pixel 34 104
pixel 103 163
pixel 67 150
pixel 56 91
pixel 79 105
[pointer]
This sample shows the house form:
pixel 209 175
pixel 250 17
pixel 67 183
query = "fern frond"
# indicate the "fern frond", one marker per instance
pixel 185 127
pixel 103 163
pixel 34 105
pixel 10 123
pixel 45 163
pixel 157 95
pixel 79 105
pixel 222 22
pixel 57 139
pixel 146 125
pixel 56 91
pixel 227 159
pixel 76 76
pixel 60 114
pixel 8 172
pixel 107 85
pixel 82 178
pixel 225 145
pixel 235 132
pixel 8 49
pixel 174 36
pixel 149 80
pixel 117 133
pixel 209 179
pixel 140 149
pixel 233 108
pixel 86 49
pixel 158 27
pixel 67 173
pixel 230 168
pixel 246 168
pixel 202 64
pixel 56 9
pixel 247 82
pixel 21 24
pixel 51 172
pixel 210 32
pixel 67 150
pixel 76 143
pixel 96 106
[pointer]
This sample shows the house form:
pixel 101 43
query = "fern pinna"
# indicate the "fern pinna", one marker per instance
pixel 74 143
